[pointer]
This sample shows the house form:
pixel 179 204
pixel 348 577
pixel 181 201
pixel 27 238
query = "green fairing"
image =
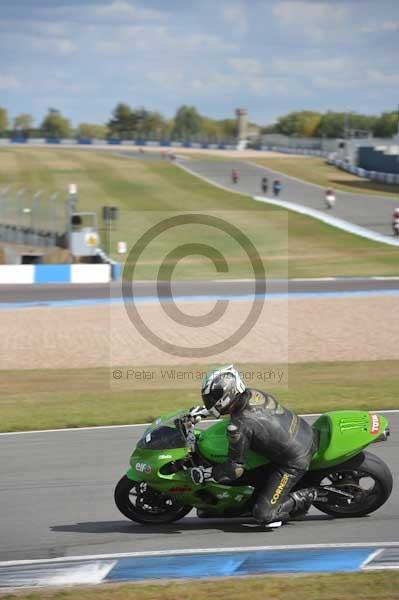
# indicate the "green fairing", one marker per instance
pixel 343 434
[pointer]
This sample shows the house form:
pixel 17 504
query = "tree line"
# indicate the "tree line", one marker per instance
pixel 307 123
pixel 127 123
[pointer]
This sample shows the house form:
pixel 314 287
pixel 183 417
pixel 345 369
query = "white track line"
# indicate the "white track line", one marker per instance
pixel 381 568
pixel 198 551
pixel 133 425
pixel 371 557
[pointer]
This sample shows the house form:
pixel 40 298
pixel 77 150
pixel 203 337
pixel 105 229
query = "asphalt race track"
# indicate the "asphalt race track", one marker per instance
pixel 372 212
pixel 56 499
pixel 63 292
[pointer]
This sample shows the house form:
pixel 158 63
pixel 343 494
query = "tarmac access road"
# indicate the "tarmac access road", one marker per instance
pixel 44 293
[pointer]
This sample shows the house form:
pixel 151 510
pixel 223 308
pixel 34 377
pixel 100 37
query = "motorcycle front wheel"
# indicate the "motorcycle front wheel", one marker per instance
pixel 139 502
pixel 366 478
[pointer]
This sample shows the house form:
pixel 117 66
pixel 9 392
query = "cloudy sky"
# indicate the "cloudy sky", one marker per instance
pixel 271 56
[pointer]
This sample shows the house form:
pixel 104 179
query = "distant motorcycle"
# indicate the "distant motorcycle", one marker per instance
pixel 234 176
pixel 330 199
pixel 276 187
pixel 395 222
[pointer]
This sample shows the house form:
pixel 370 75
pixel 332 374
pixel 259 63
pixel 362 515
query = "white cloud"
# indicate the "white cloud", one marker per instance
pixel 380 27
pixel 65 47
pixel 311 67
pixel 122 10
pixel 249 66
pixel 203 41
pixel 161 39
pixel 8 82
pixel 295 12
pixel 315 20
pixel 235 14
pixel 267 86
pixel 216 82
pixel 109 48
pixel 167 78
pixel 384 79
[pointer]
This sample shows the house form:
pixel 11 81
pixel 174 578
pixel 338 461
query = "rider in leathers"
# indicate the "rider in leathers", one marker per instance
pixel 259 422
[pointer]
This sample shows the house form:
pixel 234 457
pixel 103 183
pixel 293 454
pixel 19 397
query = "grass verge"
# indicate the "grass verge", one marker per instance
pixel 51 399
pixel 289 244
pixel 356 586
pixel 316 170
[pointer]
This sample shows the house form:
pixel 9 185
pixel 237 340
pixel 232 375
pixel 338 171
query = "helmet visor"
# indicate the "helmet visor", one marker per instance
pixel 211 398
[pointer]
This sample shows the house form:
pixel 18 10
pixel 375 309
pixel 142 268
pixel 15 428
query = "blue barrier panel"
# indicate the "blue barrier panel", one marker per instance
pixel 140 142
pixel 19 140
pixel 52 273
pixel 53 141
pixel 164 143
pixel 227 564
pixel 85 141
pixel 115 271
pixel 113 141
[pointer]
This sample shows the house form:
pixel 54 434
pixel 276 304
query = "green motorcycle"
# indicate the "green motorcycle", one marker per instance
pixel 158 487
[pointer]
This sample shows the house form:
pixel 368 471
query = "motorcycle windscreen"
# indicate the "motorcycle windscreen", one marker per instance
pixel 165 436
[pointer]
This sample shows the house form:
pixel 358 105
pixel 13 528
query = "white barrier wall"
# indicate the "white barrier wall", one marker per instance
pixel 49 274
pixel 90 273
pixel 15 274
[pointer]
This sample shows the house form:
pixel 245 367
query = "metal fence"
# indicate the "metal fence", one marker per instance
pixel 31 217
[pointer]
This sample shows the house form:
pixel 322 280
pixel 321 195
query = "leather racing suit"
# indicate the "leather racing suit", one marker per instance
pixel 260 423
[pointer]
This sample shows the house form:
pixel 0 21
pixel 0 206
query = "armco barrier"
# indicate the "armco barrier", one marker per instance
pixel 49 274
pixel 116 142
pixel 391 178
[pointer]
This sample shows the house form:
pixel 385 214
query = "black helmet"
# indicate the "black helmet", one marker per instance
pixel 220 388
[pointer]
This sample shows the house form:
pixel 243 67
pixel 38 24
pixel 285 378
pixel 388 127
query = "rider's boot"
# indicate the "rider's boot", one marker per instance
pixel 303 500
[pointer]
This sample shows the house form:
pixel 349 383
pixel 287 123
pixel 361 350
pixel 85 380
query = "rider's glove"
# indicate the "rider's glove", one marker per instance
pixel 201 474
pixel 197 412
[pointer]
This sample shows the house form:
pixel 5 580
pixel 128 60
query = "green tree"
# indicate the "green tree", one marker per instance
pixel 54 125
pixel 23 124
pixel 167 129
pixel 332 125
pixel 302 124
pixel 229 128
pixel 211 130
pixel 92 130
pixel 188 123
pixel 386 125
pixel 123 122
pixel 152 125
pixel 361 123
pixel 3 121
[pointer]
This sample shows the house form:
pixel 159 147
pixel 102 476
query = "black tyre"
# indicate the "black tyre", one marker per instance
pixel 139 502
pixel 366 477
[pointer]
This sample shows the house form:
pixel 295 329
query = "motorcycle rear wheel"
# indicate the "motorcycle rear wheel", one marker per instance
pixel 366 476
pixel 139 502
